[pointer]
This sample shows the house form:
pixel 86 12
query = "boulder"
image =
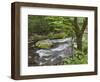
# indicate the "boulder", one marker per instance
pixel 44 44
pixel 36 37
pixel 57 35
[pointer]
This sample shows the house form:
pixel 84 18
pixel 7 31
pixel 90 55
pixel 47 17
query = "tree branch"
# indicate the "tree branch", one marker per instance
pixel 84 25
pixel 76 26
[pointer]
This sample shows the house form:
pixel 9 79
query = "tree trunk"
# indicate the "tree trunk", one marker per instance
pixel 79 42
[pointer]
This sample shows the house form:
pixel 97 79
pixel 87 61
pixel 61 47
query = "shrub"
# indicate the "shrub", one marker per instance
pixel 78 58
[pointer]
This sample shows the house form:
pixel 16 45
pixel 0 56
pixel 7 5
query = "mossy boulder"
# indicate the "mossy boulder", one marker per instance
pixel 36 37
pixel 44 44
pixel 57 35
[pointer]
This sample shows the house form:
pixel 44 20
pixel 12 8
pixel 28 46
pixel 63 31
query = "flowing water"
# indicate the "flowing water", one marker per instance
pixel 55 55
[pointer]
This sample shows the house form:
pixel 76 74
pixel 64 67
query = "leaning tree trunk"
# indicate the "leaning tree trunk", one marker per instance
pixel 79 31
pixel 79 43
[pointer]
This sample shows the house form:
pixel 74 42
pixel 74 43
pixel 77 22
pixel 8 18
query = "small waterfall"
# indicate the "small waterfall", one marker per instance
pixel 55 56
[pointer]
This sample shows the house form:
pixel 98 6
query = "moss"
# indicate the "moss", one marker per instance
pixel 36 37
pixel 44 44
pixel 57 35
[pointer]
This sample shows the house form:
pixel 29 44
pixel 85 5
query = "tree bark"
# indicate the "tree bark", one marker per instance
pixel 79 32
pixel 79 42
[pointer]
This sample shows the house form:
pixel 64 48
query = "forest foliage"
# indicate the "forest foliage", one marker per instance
pixel 53 27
